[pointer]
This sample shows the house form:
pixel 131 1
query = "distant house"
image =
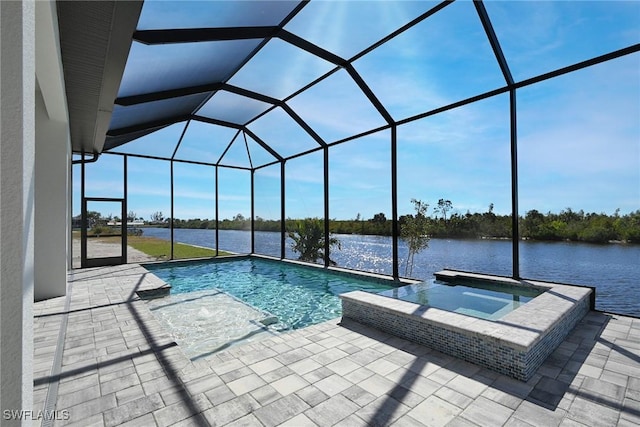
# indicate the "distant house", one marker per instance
pixel 129 223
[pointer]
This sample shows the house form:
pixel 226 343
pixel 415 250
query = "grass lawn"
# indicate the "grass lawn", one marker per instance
pixel 161 249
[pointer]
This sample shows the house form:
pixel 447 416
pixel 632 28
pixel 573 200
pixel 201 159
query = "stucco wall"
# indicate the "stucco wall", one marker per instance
pixel 17 144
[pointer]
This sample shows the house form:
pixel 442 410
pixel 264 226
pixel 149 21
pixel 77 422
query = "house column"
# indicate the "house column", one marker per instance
pixel 52 158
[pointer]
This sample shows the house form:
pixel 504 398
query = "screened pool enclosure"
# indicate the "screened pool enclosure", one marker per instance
pixel 269 110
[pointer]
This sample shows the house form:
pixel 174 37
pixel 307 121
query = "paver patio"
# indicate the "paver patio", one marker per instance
pixel 101 355
pixel 99 249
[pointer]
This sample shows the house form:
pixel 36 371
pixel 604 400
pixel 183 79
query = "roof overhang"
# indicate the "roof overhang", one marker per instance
pixel 95 38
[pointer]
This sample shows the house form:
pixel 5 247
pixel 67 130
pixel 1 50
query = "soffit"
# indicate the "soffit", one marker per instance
pixel 95 37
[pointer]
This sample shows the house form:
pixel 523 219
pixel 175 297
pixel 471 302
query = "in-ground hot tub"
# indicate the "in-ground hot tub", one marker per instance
pixel 515 342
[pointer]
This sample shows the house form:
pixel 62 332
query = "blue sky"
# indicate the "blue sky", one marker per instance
pixel 578 134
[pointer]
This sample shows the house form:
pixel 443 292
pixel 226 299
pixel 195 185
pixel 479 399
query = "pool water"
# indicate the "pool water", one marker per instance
pixel 477 299
pixel 297 296
pixel 205 322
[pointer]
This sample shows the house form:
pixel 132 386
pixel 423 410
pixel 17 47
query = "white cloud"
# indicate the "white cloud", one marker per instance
pixel 586 124
pixel 336 108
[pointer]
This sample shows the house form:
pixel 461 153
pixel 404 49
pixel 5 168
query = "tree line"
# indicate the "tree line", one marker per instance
pixel 567 225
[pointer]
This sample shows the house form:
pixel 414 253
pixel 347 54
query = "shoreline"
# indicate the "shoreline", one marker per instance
pixel 522 239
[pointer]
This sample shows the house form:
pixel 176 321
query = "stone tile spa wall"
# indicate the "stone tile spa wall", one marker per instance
pixel 515 345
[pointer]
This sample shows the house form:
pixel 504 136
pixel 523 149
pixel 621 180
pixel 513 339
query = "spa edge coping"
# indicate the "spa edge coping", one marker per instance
pixel 521 329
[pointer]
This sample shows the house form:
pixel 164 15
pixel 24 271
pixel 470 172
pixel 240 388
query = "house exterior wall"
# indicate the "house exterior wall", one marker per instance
pixel 17 145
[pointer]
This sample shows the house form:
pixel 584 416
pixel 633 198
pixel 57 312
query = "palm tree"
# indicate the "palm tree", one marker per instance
pixel 308 240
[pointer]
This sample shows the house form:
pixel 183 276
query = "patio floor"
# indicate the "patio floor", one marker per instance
pixel 102 356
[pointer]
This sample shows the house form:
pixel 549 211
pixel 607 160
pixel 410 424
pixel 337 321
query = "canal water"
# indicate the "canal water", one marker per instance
pixel 614 269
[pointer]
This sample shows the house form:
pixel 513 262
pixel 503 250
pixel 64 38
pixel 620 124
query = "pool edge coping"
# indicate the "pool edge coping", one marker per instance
pixel 521 329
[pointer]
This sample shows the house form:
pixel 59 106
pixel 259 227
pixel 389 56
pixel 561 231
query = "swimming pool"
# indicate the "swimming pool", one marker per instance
pixel 515 344
pixel 205 322
pixel 297 296
pixel 478 299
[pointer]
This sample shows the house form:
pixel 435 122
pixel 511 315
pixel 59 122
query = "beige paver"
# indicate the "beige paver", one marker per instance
pixel 434 411
pixel 300 420
pixel 120 366
pixel 276 413
pixel 266 394
pixel 333 384
pixel 312 395
pixel 382 411
pixel 265 366
pixel 246 384
pixel 289 384
pixel 332 410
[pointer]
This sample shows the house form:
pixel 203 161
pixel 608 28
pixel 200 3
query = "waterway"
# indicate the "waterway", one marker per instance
pixel 613 269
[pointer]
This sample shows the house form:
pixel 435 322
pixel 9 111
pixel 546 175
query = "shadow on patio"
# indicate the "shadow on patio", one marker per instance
pixel 116 364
